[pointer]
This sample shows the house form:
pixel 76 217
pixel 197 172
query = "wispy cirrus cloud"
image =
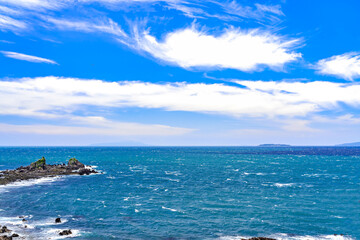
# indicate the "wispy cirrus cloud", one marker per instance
pixel 346 66
pixel 105 25
pixel 259 12
pixel 11 24
pixel 250 50
pixel 37 5
pixel 223 10
pixel 28 58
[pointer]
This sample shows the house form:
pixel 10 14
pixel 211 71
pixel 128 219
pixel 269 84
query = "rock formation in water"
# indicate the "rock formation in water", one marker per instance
pixel 40 169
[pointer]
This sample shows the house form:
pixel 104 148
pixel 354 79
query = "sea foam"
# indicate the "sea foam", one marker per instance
pixel 283 236
pixel 30 182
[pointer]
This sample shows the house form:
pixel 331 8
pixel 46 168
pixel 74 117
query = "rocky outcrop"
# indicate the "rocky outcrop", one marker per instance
pixel 40 169
pixel 58 220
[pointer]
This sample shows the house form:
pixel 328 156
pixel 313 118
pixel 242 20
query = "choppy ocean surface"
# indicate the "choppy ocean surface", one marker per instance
pixel 188 193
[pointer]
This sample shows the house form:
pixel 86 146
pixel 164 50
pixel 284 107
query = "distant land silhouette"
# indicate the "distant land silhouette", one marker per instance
pixel 274 145
pixel 119 144
pixel 354 144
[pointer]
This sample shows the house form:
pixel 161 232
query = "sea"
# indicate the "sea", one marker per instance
pixel 171 193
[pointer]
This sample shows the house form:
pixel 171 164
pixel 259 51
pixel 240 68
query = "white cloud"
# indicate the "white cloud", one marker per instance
pixel 250 50
pixel 235 49
pixel 25 57
pixel 346 66
pixel 115 129
pixel 54 97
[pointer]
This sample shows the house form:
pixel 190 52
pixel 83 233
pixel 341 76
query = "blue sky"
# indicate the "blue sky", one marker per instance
pixel 179 72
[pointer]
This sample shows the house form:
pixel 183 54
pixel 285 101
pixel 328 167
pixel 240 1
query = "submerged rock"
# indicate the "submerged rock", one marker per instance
pixel 259 238
pixel 40 169
pixel 58 220
pixel 65 232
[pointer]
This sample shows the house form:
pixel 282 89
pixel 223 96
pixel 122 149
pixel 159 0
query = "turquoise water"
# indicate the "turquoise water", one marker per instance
pixel 189 193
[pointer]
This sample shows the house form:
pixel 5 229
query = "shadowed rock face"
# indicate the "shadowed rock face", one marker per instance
pixel 39 164
pixel 74 163
pixel 40 169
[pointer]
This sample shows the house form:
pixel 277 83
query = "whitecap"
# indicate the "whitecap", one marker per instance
pixel 54 233
pixel 257 174
pixel 284 184
pixel 13 221
pixel 175 173
pixel 48 222
pixel 282 236
pixel 170 179
pixel 170 209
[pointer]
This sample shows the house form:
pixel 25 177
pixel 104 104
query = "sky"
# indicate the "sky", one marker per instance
pixel 179 72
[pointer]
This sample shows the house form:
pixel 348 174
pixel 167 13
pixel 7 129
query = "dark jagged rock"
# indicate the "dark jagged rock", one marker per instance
pixel 4 229
pixel 6 237
pixel 58 220
pixel 40 169
pixel 15 235
pixel 65 232
pixel 86 171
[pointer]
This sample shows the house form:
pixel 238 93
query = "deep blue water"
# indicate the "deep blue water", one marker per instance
pixel 189 193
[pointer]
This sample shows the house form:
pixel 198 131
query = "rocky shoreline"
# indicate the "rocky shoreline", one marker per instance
pixel 8 234
pixel 37 170
pixel 40 169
